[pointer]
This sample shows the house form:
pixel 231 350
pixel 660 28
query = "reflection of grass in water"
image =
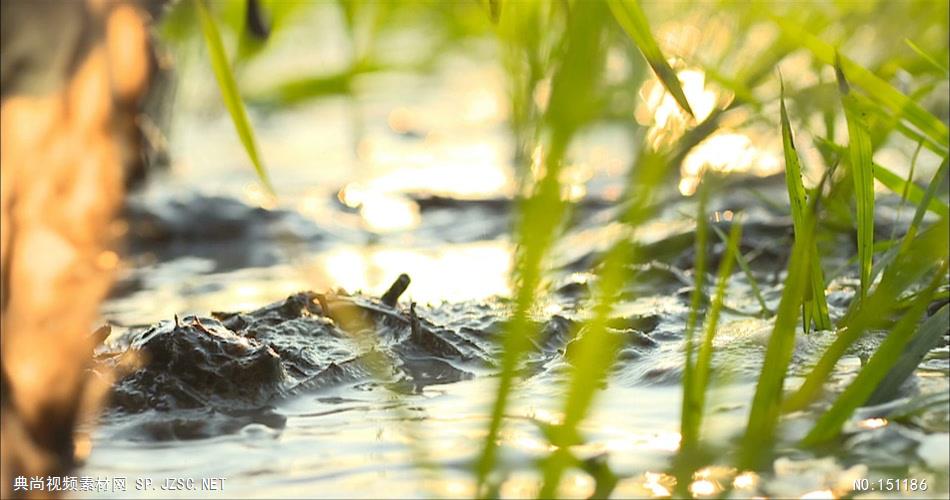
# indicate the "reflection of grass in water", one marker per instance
pixel 563 45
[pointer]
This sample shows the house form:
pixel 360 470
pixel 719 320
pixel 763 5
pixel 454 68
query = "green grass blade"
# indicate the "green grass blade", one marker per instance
pixel 914 193
pixel 878 89
pixel 631 18
pixel 229 91
pixel 814 305
pixel 541 216
pixel 704 359
pixel 744 265
pixel 884 358
pixel 907 183
pixel 936 183
pixel 927 57
pixel 859 148
pixel 896 249
pixel 689 413
pixel 929 336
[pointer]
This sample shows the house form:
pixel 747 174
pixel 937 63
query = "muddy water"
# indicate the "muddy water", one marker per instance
pixel 382 184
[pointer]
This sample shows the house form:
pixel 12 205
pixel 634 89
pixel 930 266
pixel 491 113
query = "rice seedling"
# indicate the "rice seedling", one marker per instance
pixel 689 417
pixel 815 305
pixel 704 359
pixel 696 375
pixel 744 266
pixel 937 65
pixel 229 91
pixel 767 401
pixel 859 147
pixel 912 262
pixel 895 183
pixel 880 91
pixel 597 347
pixel 912 230
pixel 907 184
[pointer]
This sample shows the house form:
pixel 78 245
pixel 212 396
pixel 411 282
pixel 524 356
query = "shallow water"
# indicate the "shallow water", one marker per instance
pixel 356 209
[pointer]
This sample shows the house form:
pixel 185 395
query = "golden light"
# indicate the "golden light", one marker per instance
pixel 578 486
pixel 872 423
pixel 456 170
pixel 471 271
pixel 256 195
pixel 666 119
pixel 548 417
pixel 389 213
pixel 455 488
pixel 703 488
pixel 726 152
pixel 666 441
pixel 746 480
pixel 532 444
pixel 484 106
pixel 520 485
pixel 658 484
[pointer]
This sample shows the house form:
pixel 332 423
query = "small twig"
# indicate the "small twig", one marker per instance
pixel 398 287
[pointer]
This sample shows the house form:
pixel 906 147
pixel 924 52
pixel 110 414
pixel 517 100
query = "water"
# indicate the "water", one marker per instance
pixel 356 177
